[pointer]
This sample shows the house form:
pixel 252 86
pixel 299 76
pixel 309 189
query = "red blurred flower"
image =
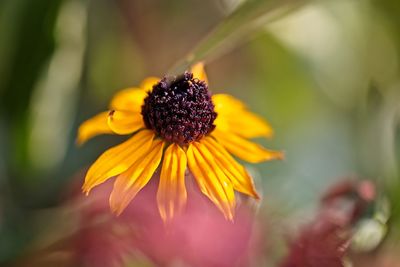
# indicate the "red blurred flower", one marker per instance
pixel 325 240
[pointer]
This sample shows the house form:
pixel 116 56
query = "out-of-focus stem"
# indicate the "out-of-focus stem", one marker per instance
pixel 249 17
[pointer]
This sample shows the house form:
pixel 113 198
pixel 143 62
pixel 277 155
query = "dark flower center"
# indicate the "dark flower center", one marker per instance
pixel 179 109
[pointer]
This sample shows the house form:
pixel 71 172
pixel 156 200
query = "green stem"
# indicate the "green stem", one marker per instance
pixel 249 17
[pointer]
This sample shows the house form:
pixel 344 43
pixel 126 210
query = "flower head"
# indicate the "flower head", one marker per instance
pixel 179 110
pixel 175 122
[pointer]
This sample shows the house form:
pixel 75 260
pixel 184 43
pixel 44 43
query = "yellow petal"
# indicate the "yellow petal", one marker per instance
pixel 245 149
pixel 233 116
pixel 171 195
pixel 148 83
pixel 199 72
pixel 238 175
pixel 227 104
pixel 125 122
pixel 92 127
pixel 118 159
pixel 243 123
pixel 130 99
pixel 211 179
pixel 130 182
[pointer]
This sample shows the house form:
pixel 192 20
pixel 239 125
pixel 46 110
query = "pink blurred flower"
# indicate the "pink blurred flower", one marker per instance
pixel 200 236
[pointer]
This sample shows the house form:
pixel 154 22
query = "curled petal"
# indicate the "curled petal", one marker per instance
pixel 199 72
pixel 131 181
pixel 118 159
pixel 124 122
pixel 148 83
pixel 171 195
pixel 211 179
pixel 92 127
pixel 245 149
pixel 130 99
pixel 238 175
pixel 233 116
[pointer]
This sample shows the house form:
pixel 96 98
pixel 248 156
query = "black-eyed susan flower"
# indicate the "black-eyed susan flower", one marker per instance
pixel 176 123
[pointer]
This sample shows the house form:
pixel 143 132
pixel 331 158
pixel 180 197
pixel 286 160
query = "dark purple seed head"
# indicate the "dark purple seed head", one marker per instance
pixel 179 109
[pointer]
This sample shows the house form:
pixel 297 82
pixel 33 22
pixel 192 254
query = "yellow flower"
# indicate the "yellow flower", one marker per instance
pixel 177 121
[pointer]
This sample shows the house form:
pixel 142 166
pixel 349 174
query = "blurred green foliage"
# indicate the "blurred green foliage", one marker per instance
pixel 28 42
pixel 26 45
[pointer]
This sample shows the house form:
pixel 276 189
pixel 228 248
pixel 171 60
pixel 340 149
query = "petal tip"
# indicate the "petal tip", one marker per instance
pixel 79 141
pixel 256 195
pixel 230 217
pixel 82 137
pixel 281 155
pixel 85 190
pixel 92 127
pixel 269 135
pixel 274 155
pixel 167 220
pixel 116 212
pixel 115 208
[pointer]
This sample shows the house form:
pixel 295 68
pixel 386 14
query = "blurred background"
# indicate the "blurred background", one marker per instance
pixel 325 74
